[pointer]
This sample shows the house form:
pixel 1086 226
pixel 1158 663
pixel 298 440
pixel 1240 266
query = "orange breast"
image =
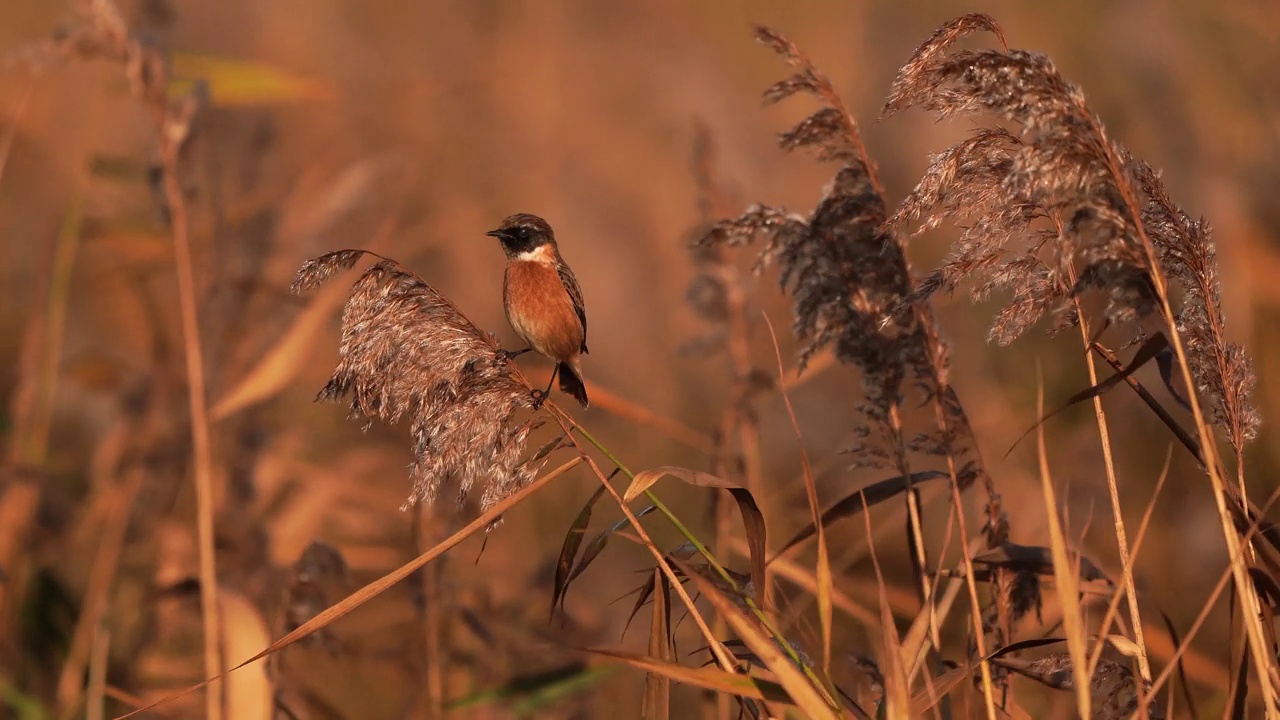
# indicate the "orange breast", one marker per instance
pixel 540 311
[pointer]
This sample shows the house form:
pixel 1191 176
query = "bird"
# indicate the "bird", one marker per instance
pixel 543 301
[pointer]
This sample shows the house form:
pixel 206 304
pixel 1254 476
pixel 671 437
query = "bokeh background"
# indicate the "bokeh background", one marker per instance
pixel 417 126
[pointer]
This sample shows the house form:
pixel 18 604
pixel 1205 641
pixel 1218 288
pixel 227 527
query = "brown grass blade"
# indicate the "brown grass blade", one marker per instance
pixel 896 702
pixel 810 697
pixel 597 546
pixel 925 700
pixel 867 497
pixel 916 642
pixel 1065 575
pixel 707 678
pixel 96 690
pixel 569 549
pixel 1240 697
pixel 1036 559
pixel 643 593
pixel 822 571
pixel 335 612
pixel 657 694
pixel 1181 669
pixel 752 518
pixel 1165 417
pixel 1152 347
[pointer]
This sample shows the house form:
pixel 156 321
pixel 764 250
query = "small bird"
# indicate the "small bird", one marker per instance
pixel 543 301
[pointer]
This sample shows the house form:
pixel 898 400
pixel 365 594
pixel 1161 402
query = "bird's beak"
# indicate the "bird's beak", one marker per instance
pixel 496 233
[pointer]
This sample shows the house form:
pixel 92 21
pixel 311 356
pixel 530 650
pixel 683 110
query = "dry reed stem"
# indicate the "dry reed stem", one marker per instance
pixel 1065 573
pixel 1113 604
pixel 196 395
pixel 1117 512
pixel 897 697
pixel 975 603
pixel 104 33
pixel 716 647
pixel 432 621
pixel 915 645
pixel 96 700
pixel 568 424
pixel 822 572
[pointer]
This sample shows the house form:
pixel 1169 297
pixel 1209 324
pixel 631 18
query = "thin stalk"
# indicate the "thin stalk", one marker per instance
pixel 432 625
pixel 914 524
pixel 1114 603
pixel 200 437
pixel 719 703
pixel 1065 573
pixel 1117 512
pixel 975 604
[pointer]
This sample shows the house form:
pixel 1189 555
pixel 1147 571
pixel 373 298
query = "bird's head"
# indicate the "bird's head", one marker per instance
pixel 523 234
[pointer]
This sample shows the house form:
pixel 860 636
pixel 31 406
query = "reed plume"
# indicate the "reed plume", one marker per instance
pixel 1055 210
pixel 407 351
pixel 847 277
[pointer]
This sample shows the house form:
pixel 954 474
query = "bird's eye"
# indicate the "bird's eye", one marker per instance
pixel 523 233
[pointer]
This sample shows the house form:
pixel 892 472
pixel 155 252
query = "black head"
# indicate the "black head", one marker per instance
pixel 522 233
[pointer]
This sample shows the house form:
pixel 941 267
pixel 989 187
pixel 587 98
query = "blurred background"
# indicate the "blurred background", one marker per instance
pixel 414 127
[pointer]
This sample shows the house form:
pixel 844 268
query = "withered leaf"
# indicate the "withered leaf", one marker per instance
pixel 869 496
pixel 1148 351
pixel 569 549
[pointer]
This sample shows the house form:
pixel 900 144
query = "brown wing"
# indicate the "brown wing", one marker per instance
pixel 575 294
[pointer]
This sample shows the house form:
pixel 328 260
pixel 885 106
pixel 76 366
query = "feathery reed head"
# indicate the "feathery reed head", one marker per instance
pixel 847 276
pixel 1056 185
pixel 407 351
pixel 1059 210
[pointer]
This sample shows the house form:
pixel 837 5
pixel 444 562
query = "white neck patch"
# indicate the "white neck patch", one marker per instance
pixel 542 254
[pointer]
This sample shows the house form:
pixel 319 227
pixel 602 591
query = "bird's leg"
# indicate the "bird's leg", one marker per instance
pixel 540 396
pixel 511 354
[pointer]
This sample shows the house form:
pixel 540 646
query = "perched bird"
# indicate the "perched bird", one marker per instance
pixel 543 301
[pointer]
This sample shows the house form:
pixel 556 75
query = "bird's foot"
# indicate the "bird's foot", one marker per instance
pixel 507 355
pixel 539 397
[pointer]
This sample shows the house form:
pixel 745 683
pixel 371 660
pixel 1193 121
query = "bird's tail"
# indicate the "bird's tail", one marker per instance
pixel 571 382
